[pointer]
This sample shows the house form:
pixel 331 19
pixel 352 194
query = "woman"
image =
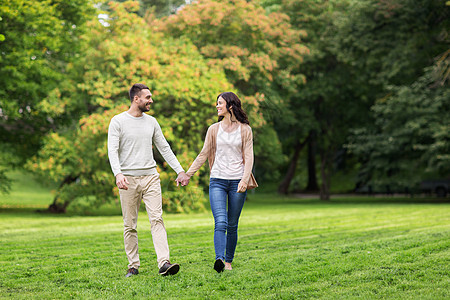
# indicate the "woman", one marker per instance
pixel 229 150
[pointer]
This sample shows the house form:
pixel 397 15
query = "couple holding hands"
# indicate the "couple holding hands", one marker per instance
pixel 228 148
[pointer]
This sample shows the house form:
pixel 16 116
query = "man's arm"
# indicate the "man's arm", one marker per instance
pixel 113 153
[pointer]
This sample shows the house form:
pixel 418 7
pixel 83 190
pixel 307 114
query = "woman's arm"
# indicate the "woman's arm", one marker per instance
pixel 248 160
pixel 202 156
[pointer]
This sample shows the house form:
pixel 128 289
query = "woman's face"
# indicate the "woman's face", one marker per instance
pixel 222 107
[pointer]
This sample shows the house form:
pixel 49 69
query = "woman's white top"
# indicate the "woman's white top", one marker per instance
pixel 228 163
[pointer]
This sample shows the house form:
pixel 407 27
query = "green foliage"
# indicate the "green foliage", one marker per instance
pixel 410 139
pixel 2 37
pixel 5 185
pixel 320 112
pixel 257 51
pixel 409 136
pixel 358 50
pixel 161 7
pixel 7 159
pixel 184 200
pixel 390 42
pixel 158 8
pixel 262 143
pixel 40 38
pixel 120 54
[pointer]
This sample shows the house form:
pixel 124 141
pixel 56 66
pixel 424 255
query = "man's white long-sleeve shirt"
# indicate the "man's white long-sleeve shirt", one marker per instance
pixel 130 141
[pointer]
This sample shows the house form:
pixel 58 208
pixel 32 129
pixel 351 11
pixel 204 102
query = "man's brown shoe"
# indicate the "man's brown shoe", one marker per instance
pixel 131 272
pixel 169 269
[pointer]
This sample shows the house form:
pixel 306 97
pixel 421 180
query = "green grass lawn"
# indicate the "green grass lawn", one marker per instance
pixel 26 192
pixel 289 248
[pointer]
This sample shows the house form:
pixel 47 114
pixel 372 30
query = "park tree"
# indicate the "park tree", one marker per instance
pixel 38 41
pixel 120 51
pixel 321 111
pixel 410 138
pixel 258 52
pixel 358 49
pixel 397 48
pixel 391 42
pixel 299 132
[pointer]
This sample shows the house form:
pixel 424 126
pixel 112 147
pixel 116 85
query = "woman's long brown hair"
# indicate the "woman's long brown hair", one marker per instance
pixel 233 101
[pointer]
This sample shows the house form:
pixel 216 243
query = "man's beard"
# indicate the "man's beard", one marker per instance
pixel 144 108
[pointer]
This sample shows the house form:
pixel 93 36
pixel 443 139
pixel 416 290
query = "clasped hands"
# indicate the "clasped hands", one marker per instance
pixel 182 179
pixel 122 182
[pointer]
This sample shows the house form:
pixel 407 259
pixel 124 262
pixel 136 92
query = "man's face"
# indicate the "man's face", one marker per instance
pixel 144 100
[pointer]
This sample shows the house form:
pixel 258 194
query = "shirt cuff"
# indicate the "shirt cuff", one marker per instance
pixel 179 170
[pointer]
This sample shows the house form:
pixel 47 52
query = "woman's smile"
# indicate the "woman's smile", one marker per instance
pixel 221 107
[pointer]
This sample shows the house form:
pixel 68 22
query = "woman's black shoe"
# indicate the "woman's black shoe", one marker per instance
pixel 219 265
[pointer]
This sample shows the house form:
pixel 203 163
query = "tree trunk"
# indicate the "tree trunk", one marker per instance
pixel 312 185
pixel 58 207
pixel 284 185
pixel 325 176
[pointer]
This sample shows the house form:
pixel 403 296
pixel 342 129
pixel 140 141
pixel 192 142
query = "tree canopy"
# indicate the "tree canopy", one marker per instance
pixel 394 48
pixel 410 139
pixel 41 39
pixel 258 53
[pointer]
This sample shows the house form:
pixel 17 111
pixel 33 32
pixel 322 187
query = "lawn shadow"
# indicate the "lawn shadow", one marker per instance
pixel 343 199
pixel 388 199
pixel 44 211
pixel 253 199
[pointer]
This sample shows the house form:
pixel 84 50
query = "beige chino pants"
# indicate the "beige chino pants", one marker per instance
pixel 148 189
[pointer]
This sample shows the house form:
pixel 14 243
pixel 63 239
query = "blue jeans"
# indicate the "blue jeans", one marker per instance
pixel 225 222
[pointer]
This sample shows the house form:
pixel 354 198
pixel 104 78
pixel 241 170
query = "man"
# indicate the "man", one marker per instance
pixel 131 135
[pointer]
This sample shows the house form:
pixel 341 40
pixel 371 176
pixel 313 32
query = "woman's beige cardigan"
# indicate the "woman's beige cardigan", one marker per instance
pixel 209 151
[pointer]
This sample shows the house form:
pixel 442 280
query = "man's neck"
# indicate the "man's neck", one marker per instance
pixel 135 112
